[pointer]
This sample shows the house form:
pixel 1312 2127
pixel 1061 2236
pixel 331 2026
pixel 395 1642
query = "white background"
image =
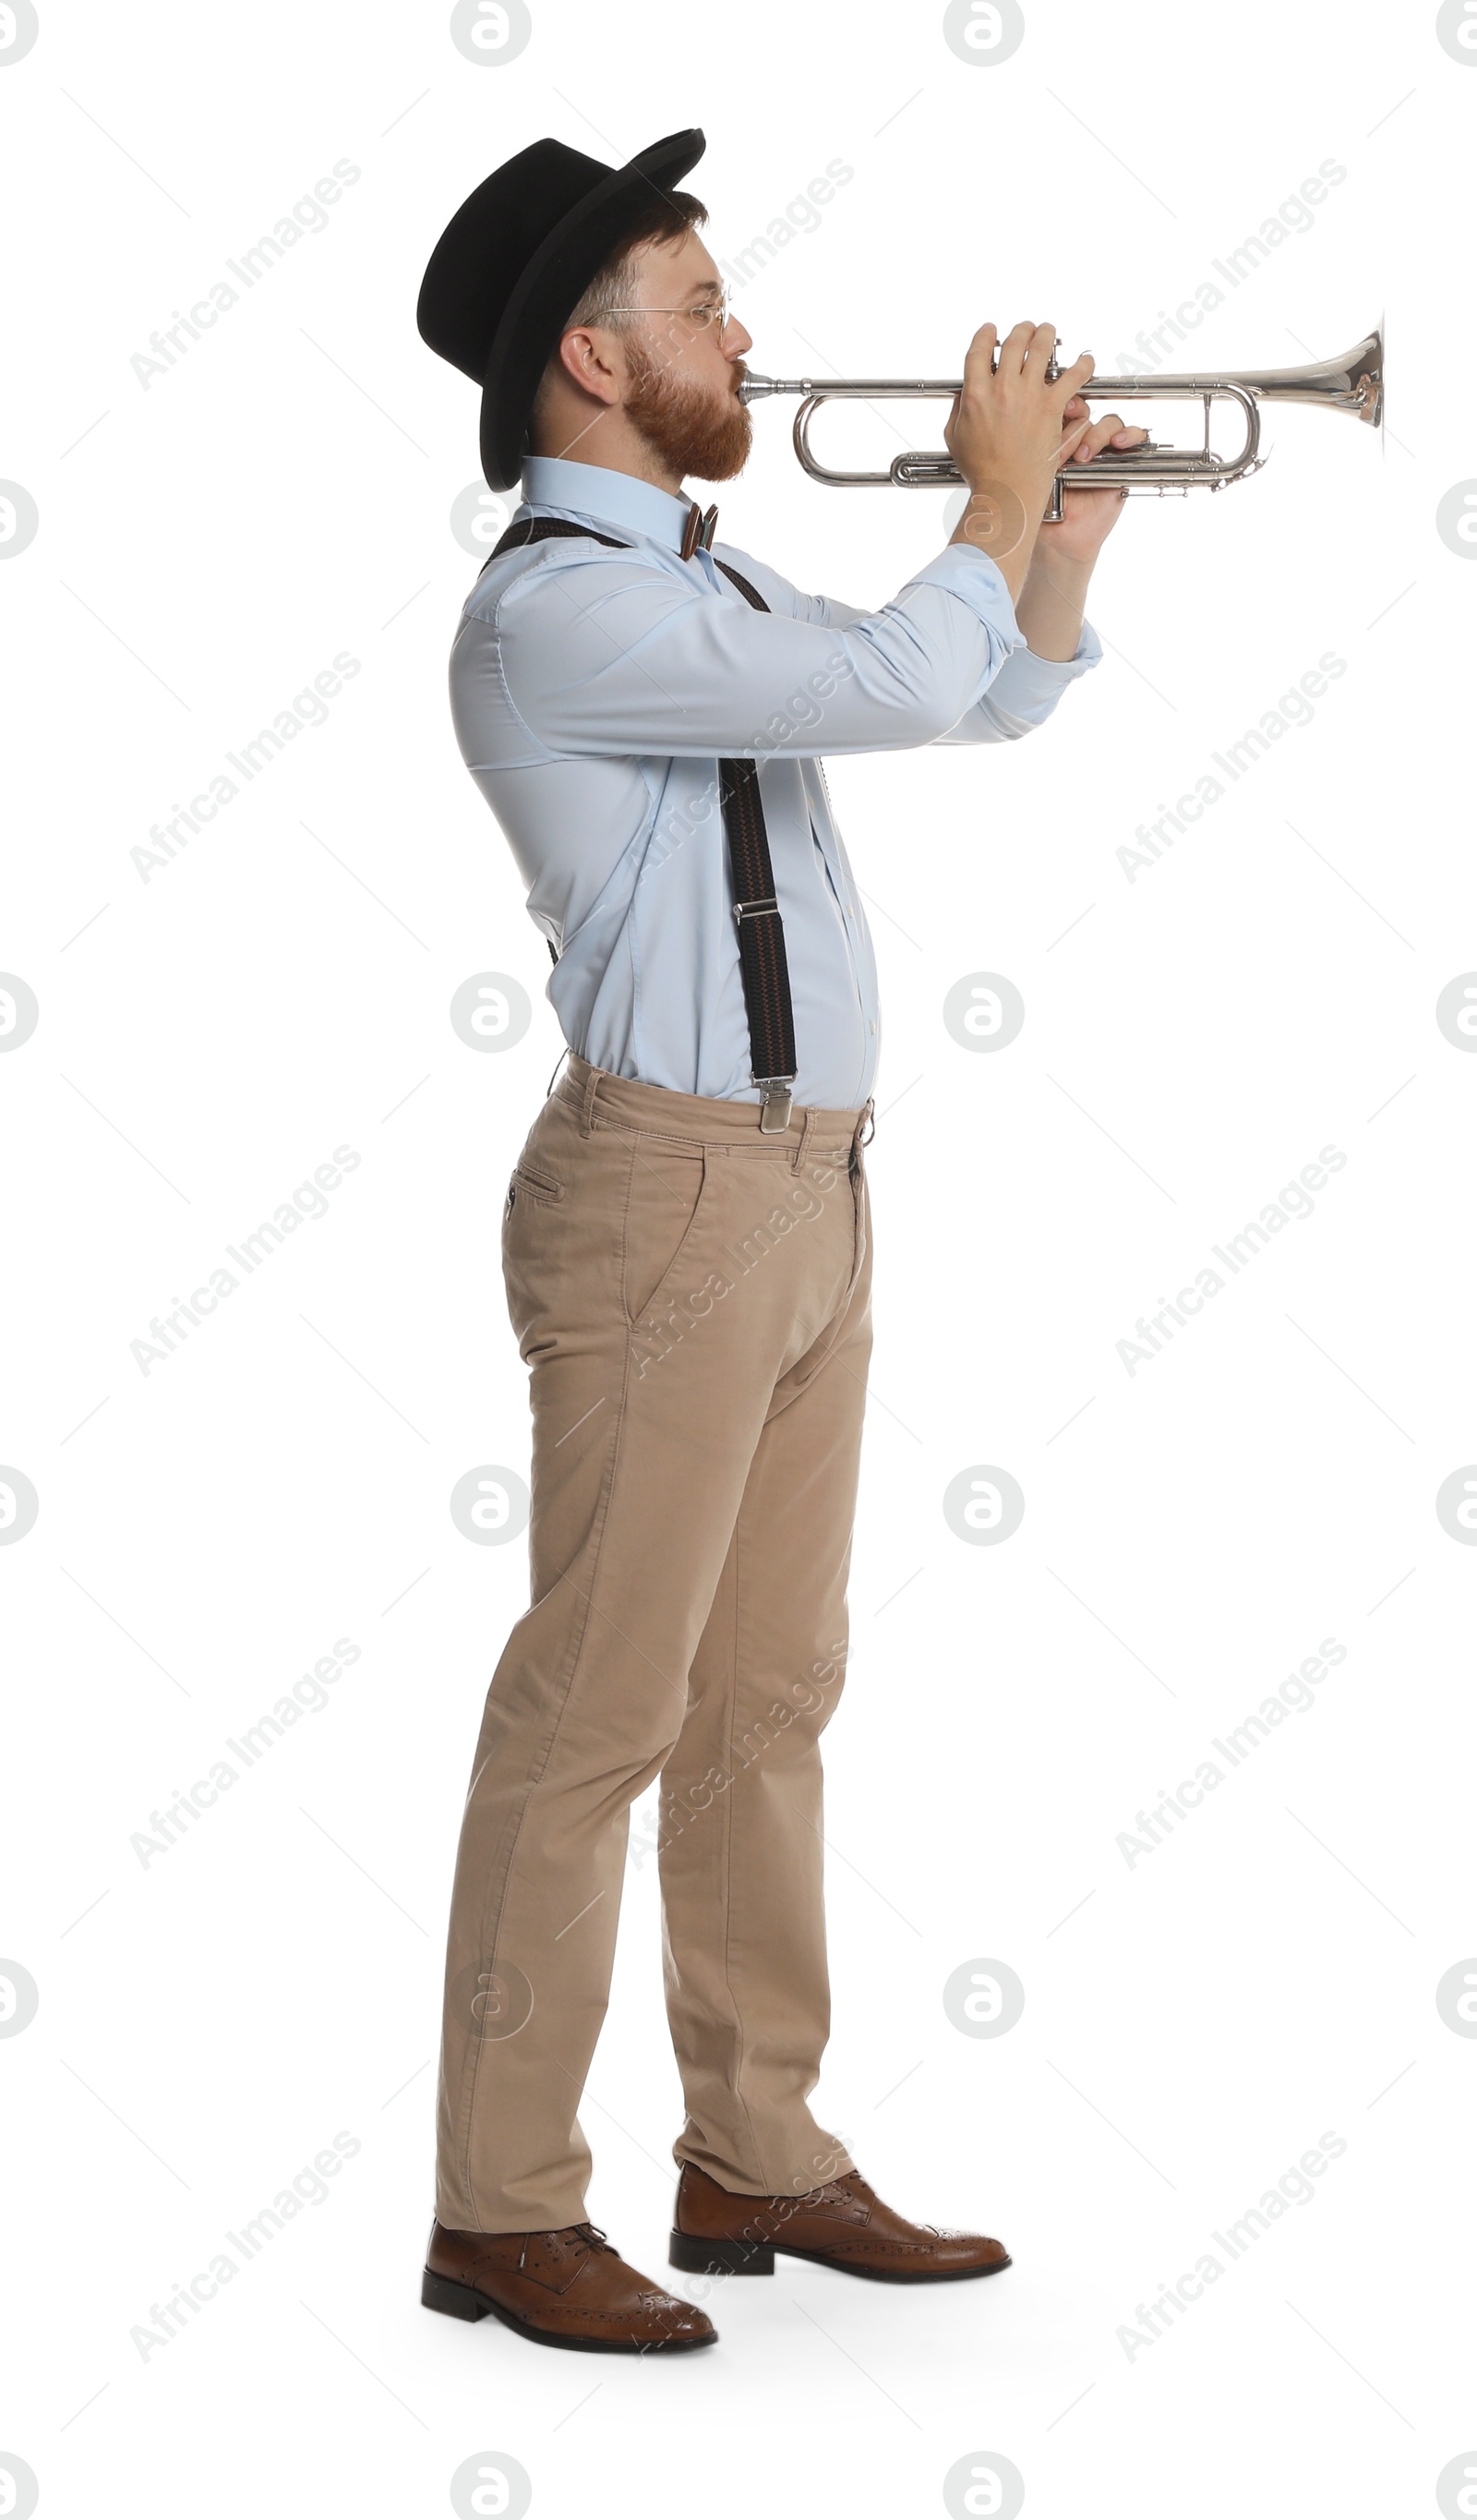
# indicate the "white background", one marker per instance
pixel 1193 1531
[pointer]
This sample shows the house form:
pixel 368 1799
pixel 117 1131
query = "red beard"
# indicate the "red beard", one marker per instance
pixel 687 425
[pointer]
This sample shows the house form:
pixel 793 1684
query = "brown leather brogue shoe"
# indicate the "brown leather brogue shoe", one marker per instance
pixel 565 2288
pixel 843 2223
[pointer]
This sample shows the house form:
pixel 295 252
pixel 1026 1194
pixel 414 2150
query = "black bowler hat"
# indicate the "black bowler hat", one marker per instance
pixel 517 257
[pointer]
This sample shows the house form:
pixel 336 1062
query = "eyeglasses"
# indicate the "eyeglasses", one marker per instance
pixel 708 312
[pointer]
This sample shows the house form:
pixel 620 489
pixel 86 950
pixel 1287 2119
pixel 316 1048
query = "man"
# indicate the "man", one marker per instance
pixel 687 1244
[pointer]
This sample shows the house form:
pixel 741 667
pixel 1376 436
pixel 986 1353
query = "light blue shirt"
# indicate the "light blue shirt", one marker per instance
pixel 595 692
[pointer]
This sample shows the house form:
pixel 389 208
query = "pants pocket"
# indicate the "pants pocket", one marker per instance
pixel 528 1181
pixel 665 1205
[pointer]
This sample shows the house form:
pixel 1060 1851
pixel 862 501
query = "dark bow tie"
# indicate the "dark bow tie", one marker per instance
pixel 698 530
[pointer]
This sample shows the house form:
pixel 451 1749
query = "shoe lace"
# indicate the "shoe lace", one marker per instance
pixel 834 2191
pixel 578 2235
pixel 652 2294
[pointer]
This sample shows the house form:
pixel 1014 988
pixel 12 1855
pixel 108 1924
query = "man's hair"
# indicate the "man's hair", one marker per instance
pixel 608 295
pixel 610 288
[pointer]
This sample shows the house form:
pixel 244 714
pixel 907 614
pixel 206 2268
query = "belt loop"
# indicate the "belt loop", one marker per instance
pixel 587 1115
pixel 803 1149
pixel 867 1122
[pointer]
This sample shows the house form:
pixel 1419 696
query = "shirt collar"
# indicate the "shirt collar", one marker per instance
pixel 614 498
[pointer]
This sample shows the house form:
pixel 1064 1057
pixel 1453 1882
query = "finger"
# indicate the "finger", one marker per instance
pixel 980 355
pixel 1071 381
pixel 1042 347
pixel 1014 346
pixel 1098 436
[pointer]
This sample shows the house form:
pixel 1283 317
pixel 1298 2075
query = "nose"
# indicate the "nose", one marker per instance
pixel 735 341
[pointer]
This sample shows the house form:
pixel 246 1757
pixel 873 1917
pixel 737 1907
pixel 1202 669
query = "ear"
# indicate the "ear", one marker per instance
pixel 589 359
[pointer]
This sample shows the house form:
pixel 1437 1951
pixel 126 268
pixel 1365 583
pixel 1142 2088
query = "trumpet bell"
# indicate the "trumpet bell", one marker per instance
pixel 1354 383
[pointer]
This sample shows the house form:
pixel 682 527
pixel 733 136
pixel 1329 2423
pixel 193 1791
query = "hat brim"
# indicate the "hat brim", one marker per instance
pixel 553 282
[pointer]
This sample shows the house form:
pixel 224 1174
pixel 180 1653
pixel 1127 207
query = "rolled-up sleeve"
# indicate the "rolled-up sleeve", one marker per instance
pixel 1024 692
pixel 587 653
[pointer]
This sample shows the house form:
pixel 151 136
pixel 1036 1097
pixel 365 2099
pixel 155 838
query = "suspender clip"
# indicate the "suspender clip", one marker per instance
pixel 774 1105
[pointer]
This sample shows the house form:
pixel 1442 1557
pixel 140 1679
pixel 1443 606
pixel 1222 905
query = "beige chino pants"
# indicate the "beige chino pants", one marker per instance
pixel 693 1299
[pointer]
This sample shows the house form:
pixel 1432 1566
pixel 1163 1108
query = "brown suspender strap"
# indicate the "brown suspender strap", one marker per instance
pixel 762 964
pixel 762 957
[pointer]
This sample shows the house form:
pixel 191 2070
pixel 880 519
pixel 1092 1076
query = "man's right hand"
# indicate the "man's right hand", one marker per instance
pixel 1006 436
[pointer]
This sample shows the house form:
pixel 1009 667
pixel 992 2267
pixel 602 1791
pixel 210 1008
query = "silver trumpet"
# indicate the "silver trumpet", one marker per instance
pixel 1353 384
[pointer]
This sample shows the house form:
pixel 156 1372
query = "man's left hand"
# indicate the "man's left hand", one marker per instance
pixel 1089 516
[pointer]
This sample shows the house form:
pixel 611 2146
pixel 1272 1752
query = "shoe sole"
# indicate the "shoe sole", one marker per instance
pixel 464 2301
pixel 757 2258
